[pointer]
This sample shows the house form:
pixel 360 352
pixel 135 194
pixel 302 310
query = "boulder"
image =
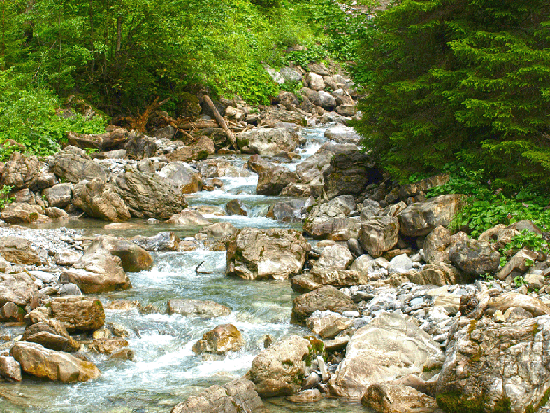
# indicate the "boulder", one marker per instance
pixel 342 134
pixel 272 181
pixel 22 213
pixel 279 369
pixel 315 81
pixel 220 340
pixel 390 347
pixel 474 257
pixel 17 288
pixel 59 195
pixel 498 236
pixel 518 264
pixel 235 207
pixel 51 334
pixel 349 174
pixel 269 141
pixel 10 368
pixel 287 211
pixel 78 313
pixel 54 365
pixel 234 397
pixel 103 141
pixel 133 258
pixel 333 257
pixel 100 200
pixel 197 151
pixel 148 195
pixel 326 100
pixel 72 164
pixel 435 246
pixel 496 365
pixel 222 231
pixel 182 176
pixel 163 241
pixel 421 218
pixel 266 253
pixel 398 398
pixel 188 218
pixel 379 234
pixel 97 271
pixel 201 308
pixel 338 277
pixel 21 251
pixel 21 172
pixel 330 218
pixel 433 274
pixel 490 305
pixel 321 299
pixel 328 324
pixel 139 147
pixel 417 188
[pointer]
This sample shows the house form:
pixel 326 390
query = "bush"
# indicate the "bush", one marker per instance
pixel 28 116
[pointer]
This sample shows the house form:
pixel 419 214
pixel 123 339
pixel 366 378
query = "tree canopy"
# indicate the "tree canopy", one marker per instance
pixel 459 81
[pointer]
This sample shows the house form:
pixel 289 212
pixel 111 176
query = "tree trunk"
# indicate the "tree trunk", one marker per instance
pixel 221 121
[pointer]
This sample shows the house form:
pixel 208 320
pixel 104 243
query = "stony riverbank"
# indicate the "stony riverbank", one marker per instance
pixel 404 314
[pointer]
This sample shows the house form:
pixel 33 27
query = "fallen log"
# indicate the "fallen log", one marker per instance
pixel 221 121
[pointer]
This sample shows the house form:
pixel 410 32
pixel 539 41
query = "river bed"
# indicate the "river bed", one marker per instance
pixel 165 371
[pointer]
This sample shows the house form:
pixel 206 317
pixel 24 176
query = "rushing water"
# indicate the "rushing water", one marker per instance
pixel 165 371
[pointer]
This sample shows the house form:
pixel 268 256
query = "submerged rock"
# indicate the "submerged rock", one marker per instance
pixel 201 308
pixel 220 340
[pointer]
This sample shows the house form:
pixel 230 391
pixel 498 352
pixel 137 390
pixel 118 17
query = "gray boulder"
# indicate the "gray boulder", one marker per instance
pixel 269 141
pixel 390 347
pixel 266 254
pixel 100 200
pixel 379 234
pixel 474 257
pixel 421 218
pixel 73 165
pixel 148 195
pixel 236 396
pixel 276 371
pixel 321 299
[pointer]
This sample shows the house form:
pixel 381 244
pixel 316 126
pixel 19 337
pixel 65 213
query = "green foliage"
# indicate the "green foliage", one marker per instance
pixel 486 206
pixel 464 80
pixel 120 55
pixel 5 198
pixel 527 239
pixel 519 281
pixel 28 116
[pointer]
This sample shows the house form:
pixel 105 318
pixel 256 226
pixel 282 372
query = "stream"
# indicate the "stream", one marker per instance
pixel 165 371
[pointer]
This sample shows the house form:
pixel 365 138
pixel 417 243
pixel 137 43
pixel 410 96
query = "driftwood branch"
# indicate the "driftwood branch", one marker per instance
pixel 140 121
pixel 221 121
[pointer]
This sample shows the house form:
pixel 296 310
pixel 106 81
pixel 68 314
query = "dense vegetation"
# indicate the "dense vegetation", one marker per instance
pixel 460 82
pixel 121 55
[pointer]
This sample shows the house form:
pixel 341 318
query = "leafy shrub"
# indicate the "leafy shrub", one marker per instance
pixel 486 206
pixel 28 116
pixel 5 199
